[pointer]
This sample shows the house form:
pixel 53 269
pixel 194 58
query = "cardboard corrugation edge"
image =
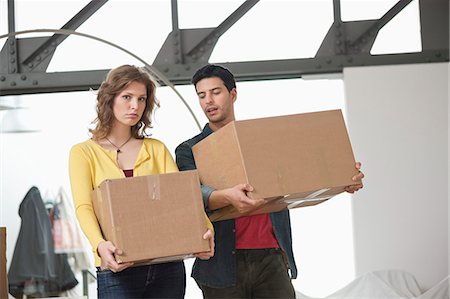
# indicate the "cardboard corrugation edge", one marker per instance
pixel 104 214
pixel 240 152
pixel 220 214
pixel 349 141
pixel 3 276
pixel 116 235
pixel 214 142
pixel 200 213
pixel 192 176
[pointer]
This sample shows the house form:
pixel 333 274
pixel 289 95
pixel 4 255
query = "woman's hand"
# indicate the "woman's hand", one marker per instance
pixel 107 252
pixel 209 235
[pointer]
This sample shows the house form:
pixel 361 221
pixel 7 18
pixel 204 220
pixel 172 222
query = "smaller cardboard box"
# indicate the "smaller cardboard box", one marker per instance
pixel 292 161
pixel 3 275
pixel 154 218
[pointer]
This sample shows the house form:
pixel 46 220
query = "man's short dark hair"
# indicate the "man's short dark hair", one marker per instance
pixel 214 70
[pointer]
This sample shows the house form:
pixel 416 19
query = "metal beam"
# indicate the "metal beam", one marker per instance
pixel 13 65
pixel 187 46
pixel 31 83
pixel 49 46
pixel 223 27
pixel 174 7
pixel 15 84
pixel 398 7
pixel 434 23
pixel 354 37
pixel 11 16
pixel 296 68
pixel 176 39
pixel 373 30
pixel 337 10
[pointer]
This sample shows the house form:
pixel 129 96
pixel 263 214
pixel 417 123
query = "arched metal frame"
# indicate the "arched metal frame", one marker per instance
pixel 23 62
pixel 152 71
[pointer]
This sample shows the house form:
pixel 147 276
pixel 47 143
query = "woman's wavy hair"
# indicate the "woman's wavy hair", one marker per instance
pixel 116 81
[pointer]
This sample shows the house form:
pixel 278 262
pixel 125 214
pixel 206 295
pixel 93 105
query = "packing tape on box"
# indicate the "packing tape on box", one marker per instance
pixel 300 202
pixel 311 196
pixel 292 203
pixel 153 188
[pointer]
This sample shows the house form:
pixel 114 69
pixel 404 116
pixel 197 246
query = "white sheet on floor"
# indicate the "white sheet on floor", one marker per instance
pixel 388 284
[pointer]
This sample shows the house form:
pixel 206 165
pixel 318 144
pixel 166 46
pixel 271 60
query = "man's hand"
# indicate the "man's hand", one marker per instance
pixel 358 177
pixel 107 251
pixel 209 235
pixel 237 196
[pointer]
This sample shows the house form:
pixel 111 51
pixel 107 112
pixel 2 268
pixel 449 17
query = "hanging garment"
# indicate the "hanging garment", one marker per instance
pixel 36 271
pixel 68 236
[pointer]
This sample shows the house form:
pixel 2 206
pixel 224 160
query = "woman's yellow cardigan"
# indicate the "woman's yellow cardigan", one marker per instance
pixel 90 164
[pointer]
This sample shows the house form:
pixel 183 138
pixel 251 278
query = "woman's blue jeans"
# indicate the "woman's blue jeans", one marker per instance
pixel 166 280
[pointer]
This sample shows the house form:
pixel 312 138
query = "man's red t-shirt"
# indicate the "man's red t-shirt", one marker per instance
pixel 255 232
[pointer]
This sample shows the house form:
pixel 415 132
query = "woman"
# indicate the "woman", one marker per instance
pixel 118 149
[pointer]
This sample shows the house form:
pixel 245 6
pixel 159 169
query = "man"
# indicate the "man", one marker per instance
pixel 253 254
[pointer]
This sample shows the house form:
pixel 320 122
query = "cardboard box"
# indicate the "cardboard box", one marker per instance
pixel 292 161
pixel 3 275
pixel 153 219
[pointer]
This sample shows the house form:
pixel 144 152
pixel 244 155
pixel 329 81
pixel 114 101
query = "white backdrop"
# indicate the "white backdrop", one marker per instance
pixel 398 117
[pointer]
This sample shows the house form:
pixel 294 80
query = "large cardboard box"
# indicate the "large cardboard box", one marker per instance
pixel 292 161
pixel 153 219
pixel 3 275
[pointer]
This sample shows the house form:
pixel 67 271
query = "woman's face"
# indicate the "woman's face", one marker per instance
pixel 129 104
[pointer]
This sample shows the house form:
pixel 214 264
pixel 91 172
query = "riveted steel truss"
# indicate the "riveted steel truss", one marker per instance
pixel 24 61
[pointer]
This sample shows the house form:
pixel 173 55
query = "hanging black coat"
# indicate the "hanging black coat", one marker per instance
pixel 35 269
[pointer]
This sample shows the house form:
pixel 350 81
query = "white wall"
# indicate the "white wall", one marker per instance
pixel 398 119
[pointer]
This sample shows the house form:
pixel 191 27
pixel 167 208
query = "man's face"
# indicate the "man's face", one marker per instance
pixel 216 101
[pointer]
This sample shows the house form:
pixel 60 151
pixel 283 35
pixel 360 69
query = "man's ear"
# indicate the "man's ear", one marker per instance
pixel 233 94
